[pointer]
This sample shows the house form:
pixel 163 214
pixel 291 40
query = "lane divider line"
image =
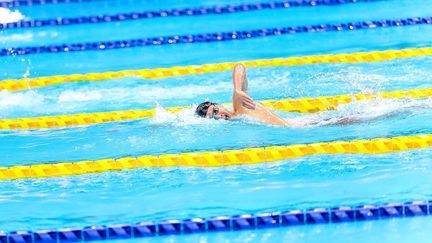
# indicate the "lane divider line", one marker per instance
pixel 219 158
pixel 302 105
pixel 374 56
pixel 289 218
pixel 19 3
pixel 212 37
pixel 194 11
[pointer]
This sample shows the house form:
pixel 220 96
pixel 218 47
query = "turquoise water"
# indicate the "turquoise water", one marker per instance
pixel 180 193
pixel 265 83
pixel 399 230
pixel 156 194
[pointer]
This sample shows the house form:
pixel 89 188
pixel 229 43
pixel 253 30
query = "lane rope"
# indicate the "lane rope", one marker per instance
pixel 219 158
pixel 288 218
pixel 19 3
pixel 374 56
pixel 195 11
pixel 202 10
pixel 302 105
pixel 212 37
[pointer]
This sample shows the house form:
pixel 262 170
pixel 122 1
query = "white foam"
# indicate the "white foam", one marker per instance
pixel 25 99
pixel 363 111
pixel 77 96
pixel 80 99
pixel 183 118
pixel 8 16
pixel 76 100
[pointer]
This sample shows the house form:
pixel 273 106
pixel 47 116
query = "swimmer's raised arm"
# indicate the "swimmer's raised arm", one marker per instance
pixel 240 95
pixel 244 105
pixel 239 78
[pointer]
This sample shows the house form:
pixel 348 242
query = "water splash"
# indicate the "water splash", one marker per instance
pixel 26 74
pixel 356 80
pixel 8 16
pixel 365 111
pixel 187 117
pixel 29 99
pixel 184 117
pixel 85 99
pixel 265 83
pixel 77 96
pixel 355 112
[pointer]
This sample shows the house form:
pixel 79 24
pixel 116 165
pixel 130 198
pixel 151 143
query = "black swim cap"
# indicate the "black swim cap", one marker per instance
pixel 202 108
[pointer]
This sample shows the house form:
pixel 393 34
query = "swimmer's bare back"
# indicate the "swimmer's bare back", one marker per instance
pixel 243 104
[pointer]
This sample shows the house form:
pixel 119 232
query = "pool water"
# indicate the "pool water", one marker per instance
pixel 152 194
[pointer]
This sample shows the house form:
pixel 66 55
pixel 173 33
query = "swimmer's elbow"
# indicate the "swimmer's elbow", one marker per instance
pixel 239 67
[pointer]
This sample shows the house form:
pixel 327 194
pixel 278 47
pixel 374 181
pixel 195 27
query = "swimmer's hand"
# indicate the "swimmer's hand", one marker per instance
pixel 245 100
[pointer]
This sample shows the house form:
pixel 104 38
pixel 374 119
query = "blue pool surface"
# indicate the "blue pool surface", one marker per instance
pixel 399 230
pixel 173 193
pixel 180 193
pixel 265 83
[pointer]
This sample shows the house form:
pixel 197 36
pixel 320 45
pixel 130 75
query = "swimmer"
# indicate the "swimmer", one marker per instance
pixel 244 105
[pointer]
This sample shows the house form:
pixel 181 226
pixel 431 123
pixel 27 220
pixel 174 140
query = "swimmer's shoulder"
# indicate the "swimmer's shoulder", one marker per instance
pixel 264 115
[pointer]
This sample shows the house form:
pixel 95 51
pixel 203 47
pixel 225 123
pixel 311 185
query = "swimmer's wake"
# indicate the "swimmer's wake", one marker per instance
pixel 355 112
pixel 245 107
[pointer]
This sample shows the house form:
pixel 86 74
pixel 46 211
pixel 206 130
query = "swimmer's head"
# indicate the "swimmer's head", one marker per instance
pixel 213 110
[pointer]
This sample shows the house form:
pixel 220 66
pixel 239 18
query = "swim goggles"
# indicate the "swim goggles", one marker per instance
pixel 215 112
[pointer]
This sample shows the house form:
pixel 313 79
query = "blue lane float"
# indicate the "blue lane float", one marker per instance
pixel 223 223
pixel 18 3
pixel 174 13
pixel 212 37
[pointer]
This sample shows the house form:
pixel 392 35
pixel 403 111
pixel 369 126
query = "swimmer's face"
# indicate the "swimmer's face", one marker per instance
pixel 218 112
